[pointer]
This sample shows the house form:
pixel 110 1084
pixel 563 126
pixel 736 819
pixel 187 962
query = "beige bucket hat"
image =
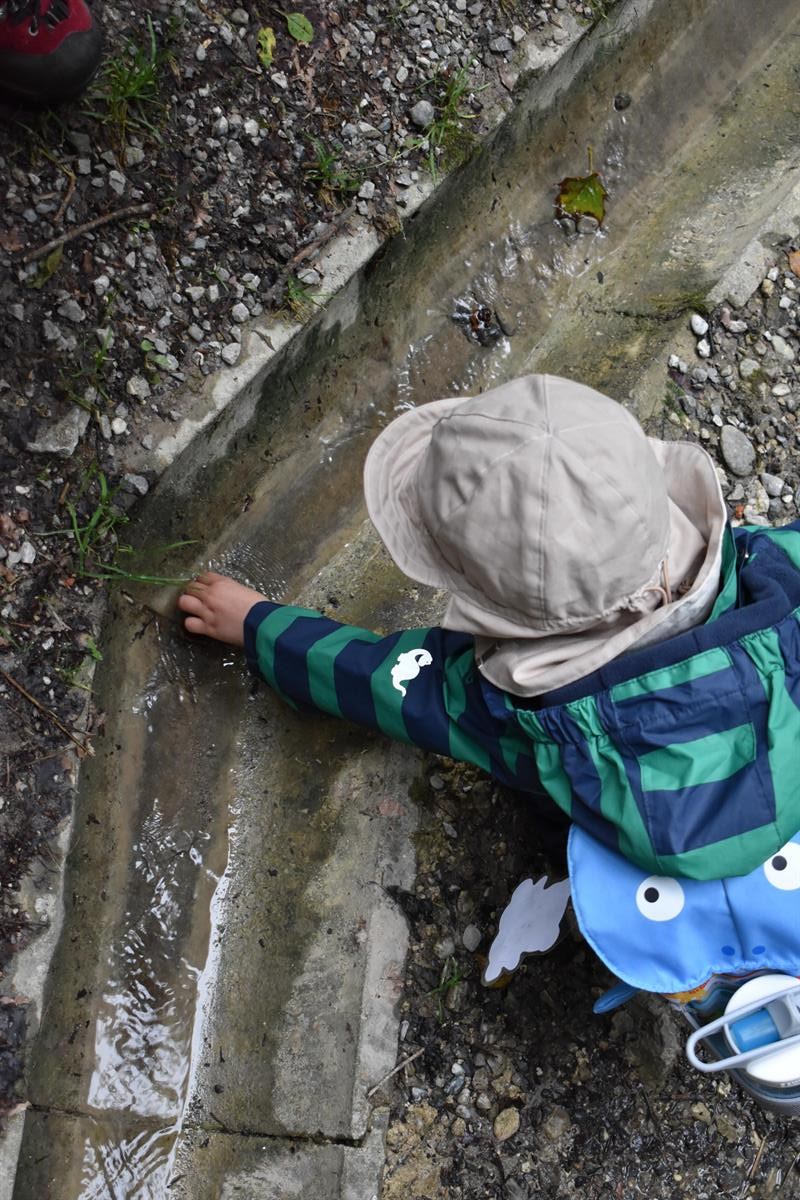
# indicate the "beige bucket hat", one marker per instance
pixel 545 512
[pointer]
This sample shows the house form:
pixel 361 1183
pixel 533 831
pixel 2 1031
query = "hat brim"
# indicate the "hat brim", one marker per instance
pixel 391 494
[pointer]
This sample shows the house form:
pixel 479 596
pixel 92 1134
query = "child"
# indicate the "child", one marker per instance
pixel 608 636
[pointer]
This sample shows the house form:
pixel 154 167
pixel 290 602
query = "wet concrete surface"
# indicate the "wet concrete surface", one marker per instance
pixel 230 963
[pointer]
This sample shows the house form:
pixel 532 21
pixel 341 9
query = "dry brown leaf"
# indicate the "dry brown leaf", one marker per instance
pixel 794 262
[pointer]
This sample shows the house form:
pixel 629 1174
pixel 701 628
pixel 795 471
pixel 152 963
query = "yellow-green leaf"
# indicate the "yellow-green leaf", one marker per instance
pixel 265 46
pixel 582 196
pixel 48 267
pixel 300 28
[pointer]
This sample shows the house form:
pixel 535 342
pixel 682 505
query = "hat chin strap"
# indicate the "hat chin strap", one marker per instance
pixel 663 589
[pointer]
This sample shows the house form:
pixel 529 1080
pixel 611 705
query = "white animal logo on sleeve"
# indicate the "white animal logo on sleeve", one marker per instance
pixel 408 667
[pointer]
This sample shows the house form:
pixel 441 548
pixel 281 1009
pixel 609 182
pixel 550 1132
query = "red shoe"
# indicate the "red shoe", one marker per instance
pixel 49 49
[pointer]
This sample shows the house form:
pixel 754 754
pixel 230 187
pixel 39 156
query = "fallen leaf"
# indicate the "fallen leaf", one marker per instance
pixel 794 262
pixel 300 28
pixel 48 267
pixel 265 46
pixel 10 240
pixel 582 196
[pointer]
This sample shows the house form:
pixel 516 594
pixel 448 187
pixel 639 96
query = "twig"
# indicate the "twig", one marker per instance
pixel 399 1067
pixel 65 203
pixel 84 747
pixel 133 210
pixel 758 1157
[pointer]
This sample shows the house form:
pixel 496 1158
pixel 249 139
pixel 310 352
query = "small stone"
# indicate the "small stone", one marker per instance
pixel 423 114
pixel 587 224
pixel 557 1125
pixel 773 484
pixel 673 361
pixel 27 553
pixel 699 325
pixel 72 311
pixel 704 348
pixel 220 126
pixel 251 128
pixel 133 156
pixel 737 450
pixel 138 387
pixel 506 1124
pixel 63 436
pixel 195 293
pixel 50 331
pixel 781 389
pixel 195 333
pixel 240 16
pixel 17 311
pixel 105 426
pixel 444 948
pixel 436 782
pixel 471 937
pixel 782 348
pixel 367 190
pixel 101 285
pixel 240 313
pixel 458 1128
pixel 401 74
pixel 230 353
pixel 622 100
pixel 500 45
pixel 137 484
pixel 117 182
pixel 280 80
pixel 748 368
pixel 201 54
pixel 119 426
pixel 767 287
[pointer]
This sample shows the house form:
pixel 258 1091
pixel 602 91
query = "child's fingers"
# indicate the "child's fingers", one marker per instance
pixel 194 625
pixel 189 603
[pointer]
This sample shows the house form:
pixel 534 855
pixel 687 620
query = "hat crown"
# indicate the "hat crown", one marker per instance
pixel 544 497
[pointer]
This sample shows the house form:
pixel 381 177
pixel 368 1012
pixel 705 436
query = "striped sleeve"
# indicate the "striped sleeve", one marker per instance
pixel 419 685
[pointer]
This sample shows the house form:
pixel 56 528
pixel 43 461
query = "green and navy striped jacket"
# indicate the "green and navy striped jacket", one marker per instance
pixel 684 756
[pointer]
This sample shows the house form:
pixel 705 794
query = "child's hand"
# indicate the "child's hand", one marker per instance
pixel 217 606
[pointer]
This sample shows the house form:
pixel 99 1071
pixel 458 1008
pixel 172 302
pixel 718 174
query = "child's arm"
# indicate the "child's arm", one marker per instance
pixel 420 686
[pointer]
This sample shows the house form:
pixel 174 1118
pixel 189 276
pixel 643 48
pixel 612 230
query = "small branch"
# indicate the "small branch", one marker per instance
pixel 133 210
pixel 65 203
pixel 83 747
pixel 399 1067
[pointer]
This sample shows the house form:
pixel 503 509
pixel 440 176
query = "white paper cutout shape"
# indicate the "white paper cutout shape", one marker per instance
pixel 528 924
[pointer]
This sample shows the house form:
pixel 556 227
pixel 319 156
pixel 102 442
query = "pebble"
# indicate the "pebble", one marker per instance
pixel 117 182
pixel 240 313
pixel 70 310
pixel 782 348
pixel 471 937
pixel 367 190
pixel 445 948
pixel 138 387
pixel 137 484
pixel 773 484
pixel 748 368
pixel 62 436
pixel 230 353
pixel 500 45
pixel 704 348
pixel 586 224
pixel 423 114
pixel 737 450
pixel 699 325
pixel 119 426
pixel 506 1124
